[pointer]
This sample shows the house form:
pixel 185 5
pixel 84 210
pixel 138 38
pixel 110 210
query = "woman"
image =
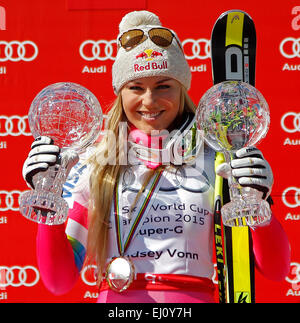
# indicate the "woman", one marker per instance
pixel 144 199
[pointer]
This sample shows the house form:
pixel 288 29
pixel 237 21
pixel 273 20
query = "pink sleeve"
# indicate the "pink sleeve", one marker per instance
pixel 272 250
pixel 61 251
pixel 55 259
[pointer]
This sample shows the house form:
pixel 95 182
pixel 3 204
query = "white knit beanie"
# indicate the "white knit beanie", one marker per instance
pixel 148 59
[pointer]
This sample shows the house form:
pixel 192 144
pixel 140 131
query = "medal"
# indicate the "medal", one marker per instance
pixel 120 271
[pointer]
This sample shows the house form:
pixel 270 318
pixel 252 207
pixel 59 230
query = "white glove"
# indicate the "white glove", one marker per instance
pixel 250 169
pixel 43 154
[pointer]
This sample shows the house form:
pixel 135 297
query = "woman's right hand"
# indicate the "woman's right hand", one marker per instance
pixel 43 154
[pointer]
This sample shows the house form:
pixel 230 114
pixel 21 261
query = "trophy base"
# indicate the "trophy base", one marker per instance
pixel 250 212
pixel 44 207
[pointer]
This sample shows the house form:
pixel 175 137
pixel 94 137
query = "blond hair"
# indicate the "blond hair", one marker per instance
pixel 103 179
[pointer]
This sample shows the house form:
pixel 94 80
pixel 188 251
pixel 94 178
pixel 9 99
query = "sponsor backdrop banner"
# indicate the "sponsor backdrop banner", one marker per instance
pixel 44 42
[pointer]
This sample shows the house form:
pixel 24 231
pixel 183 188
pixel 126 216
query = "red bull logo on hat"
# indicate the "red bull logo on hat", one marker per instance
pixel 148 55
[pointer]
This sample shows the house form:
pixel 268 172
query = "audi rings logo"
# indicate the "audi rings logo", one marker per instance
pixel 16 51
pixel 101 50
pixel 196 48
pixel 17 276
pixel 294 276
pixel 290 122
pixel 89 275
pixel 290 47
pixel 14 126
pixel 9 201
pixel 291 197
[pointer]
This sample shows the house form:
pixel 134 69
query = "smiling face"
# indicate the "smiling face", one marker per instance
pixel 151 103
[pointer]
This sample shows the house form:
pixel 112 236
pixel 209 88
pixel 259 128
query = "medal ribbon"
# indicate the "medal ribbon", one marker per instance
pixel 122 248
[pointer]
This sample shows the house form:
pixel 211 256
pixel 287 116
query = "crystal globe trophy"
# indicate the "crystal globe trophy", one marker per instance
pixel 71 115
pixel 232 115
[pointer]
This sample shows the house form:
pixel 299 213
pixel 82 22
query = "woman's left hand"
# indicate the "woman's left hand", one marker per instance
pixel 250 169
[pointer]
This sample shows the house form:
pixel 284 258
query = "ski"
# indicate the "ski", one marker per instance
pixel 233 54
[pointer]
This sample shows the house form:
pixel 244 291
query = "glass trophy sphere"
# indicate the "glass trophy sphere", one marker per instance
pixel 68 113
pixel 232 115
pixel 71 115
